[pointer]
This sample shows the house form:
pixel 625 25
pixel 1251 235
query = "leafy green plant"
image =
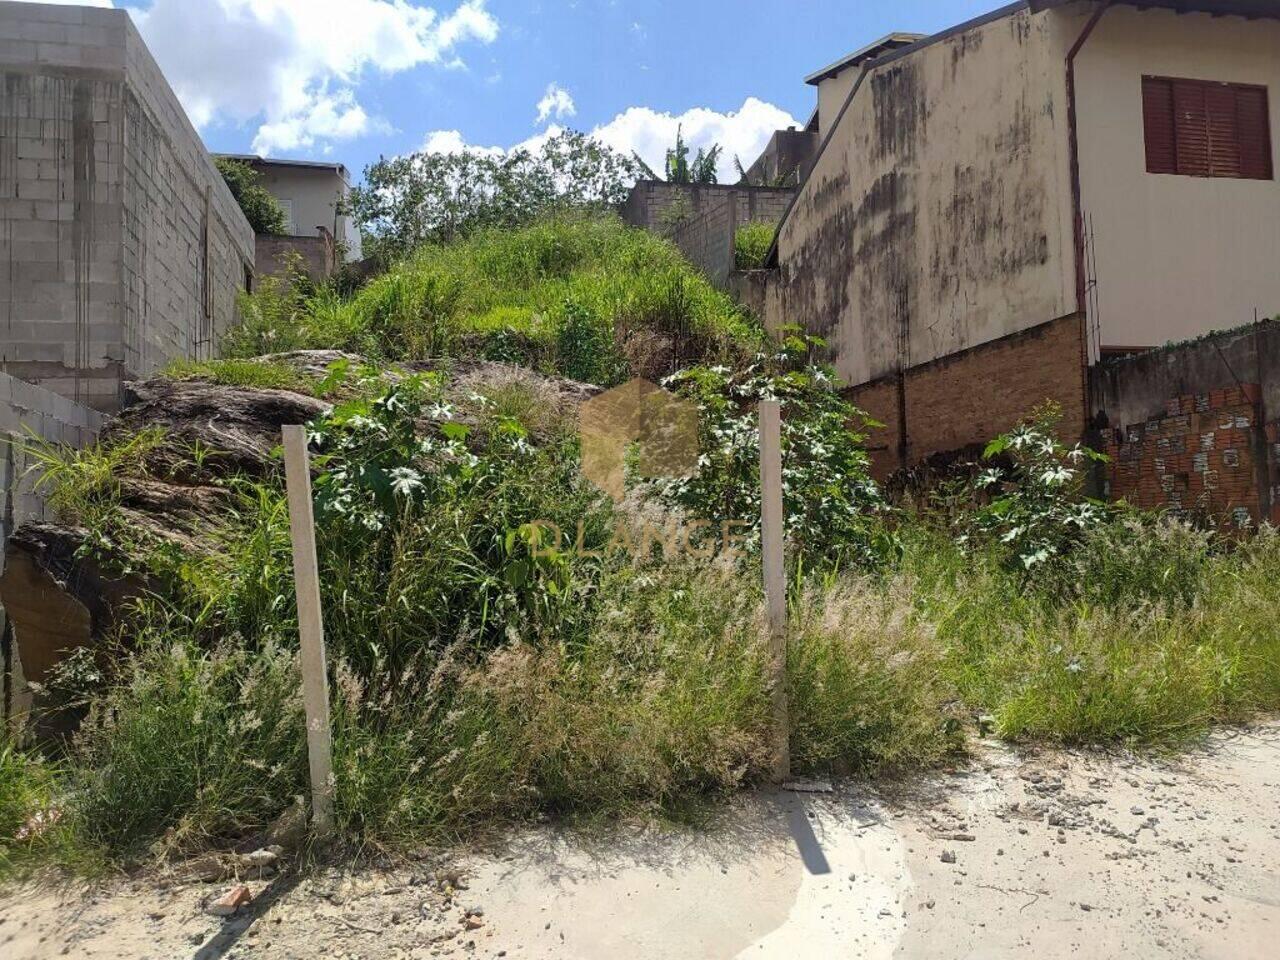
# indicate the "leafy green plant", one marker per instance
pixel 702 169
pixel 831 503
pixel 261 209
pixel 1038 510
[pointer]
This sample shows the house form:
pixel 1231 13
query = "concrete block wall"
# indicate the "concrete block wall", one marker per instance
pixel 26 412
pixel 707 238
pixel 120 246
pixel 315 255
pixel 653 204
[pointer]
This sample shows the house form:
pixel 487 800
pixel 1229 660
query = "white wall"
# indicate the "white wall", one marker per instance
pixel 1177 256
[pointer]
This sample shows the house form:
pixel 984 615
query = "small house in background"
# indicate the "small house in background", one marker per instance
pixel 312 194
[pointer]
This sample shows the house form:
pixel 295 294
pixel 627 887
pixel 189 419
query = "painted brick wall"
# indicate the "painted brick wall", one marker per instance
pixel 120 247
pixel 1206 456
pixel 964 400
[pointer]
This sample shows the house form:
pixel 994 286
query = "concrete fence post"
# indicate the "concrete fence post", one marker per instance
pixel 775 585
pixel 315 677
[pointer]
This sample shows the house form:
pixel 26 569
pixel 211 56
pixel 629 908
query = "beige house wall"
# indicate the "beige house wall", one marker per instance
pixel 1177 256
pixel 832 93
pixel 938 217
pixel 313 194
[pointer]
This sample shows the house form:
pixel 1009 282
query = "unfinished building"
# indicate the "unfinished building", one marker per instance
pixel 120 246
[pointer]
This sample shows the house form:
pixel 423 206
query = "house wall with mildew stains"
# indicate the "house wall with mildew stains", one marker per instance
pixel 938 216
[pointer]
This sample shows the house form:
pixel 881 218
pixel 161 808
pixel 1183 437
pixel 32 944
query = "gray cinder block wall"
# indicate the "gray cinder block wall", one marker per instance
pixel 655 204
pixel 120 246
pixel 29 413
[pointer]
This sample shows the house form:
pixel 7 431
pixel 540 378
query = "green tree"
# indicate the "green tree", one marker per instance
pixel 702 169
pixel 261 209
pixel 440 197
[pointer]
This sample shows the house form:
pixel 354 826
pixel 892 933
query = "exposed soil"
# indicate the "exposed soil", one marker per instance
pixel 1046 854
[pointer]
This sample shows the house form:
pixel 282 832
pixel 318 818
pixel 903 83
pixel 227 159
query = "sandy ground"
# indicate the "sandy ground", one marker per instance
pixel 1046 854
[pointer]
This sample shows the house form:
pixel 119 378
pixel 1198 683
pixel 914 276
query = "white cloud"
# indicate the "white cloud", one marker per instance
pixel 451 141
pixel 293 66
pixel 555 103
pixel 743 132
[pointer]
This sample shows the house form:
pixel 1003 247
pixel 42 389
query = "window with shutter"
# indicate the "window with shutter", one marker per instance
pixel 1200 129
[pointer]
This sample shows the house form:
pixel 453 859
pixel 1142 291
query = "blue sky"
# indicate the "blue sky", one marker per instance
pixel 349 80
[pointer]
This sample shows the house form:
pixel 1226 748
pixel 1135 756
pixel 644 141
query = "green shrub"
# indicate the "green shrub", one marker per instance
pixel 1038 510
pixel 260 208
pixel 751 243
pixel 829 499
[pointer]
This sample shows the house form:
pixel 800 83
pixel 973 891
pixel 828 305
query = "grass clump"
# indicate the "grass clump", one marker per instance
pixel 188 743
pixel 262 374
pixel 751 243
pixel 581 296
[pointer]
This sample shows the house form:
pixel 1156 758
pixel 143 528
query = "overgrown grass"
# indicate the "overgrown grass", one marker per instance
pixel 583 296
pixel 479 678
pixel 751 243
pixel 1147 634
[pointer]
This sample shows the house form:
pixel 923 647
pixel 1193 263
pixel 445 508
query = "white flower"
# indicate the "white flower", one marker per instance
pixel 405 480
pixel 440 410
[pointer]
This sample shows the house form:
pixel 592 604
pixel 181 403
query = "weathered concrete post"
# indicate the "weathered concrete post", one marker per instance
pixel 775 585
pixel 315 677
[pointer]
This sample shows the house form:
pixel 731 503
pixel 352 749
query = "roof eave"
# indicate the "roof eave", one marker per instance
pixel 1250 9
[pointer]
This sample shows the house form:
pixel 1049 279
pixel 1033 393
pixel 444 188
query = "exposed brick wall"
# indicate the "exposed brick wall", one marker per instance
pixel 1205 456
pixel 879 401
pixel 967 398
pixel 1196 426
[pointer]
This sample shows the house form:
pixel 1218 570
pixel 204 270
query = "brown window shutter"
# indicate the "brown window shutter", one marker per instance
pixel 1224 137
pixel 1197 128
pixel 1191 128
pixel 1253 121
pixel 1157 116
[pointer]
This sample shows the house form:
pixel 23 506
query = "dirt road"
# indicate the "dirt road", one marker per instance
pixel 1045 854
